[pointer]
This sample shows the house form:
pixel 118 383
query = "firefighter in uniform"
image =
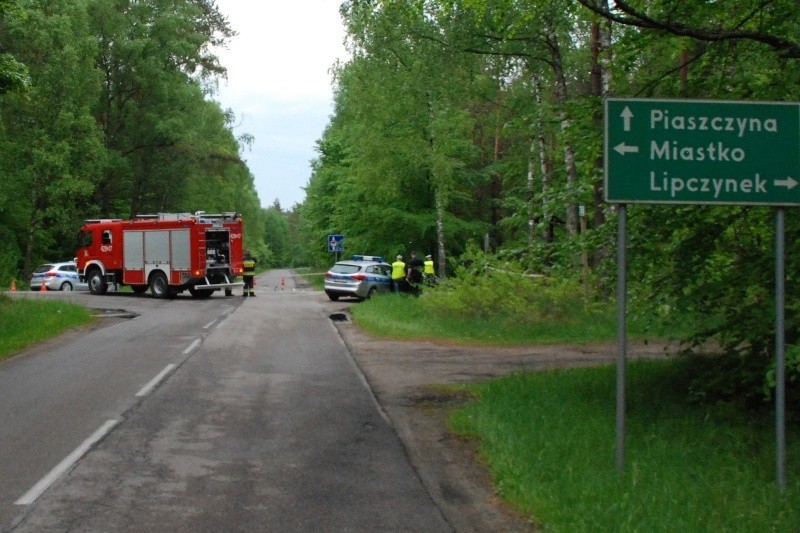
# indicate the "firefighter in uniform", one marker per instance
pixel 249 266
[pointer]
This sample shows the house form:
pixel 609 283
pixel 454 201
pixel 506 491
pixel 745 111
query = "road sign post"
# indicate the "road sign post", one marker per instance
pixel 703 152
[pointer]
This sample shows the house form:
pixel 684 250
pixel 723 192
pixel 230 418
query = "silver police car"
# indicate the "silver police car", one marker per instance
pixel 360 277
pixel 57 277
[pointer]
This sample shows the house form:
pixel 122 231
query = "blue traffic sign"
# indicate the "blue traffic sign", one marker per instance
pixel 335 243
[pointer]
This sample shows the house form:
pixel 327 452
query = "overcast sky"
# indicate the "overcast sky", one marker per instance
pixel 279 86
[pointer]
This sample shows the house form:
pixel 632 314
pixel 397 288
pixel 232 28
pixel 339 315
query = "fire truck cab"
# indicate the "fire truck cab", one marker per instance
pixel 167 253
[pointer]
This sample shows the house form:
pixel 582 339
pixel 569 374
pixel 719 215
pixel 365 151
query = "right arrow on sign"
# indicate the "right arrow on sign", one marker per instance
pixel 789 183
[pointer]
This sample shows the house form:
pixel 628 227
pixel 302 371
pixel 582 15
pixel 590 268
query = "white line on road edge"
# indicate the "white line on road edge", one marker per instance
pixel 361 377
pixel 192 346
pixel 147 389
pixel 44 483
pixel 209 324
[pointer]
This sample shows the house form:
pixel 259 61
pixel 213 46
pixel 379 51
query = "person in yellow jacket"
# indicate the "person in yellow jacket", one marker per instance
pixel 398 274
pixel 429 270
pixel 248 273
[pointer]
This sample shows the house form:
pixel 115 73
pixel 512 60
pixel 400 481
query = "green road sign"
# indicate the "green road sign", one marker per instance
pixel 702 152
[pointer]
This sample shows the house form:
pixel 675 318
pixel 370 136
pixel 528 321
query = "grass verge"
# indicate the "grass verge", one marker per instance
pixel 314 278
pixel 25 322
pixel 548 440
pixel 406 317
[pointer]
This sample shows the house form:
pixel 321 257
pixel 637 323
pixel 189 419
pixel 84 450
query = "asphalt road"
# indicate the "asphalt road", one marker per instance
pixel 223 414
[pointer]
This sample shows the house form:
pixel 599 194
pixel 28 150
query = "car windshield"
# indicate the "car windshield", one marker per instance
pixel 42 268
pixel 340 268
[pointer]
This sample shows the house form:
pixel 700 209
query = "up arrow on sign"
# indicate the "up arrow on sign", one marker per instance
pixel 626 115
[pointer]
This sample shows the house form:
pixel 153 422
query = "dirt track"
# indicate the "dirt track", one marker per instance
pixel 403 376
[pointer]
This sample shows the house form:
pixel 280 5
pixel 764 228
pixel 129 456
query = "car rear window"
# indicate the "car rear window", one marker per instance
pixel 345 269
pixel 42 268
pixel 68 268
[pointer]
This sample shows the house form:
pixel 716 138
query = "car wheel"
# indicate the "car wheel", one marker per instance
pixel 159 285
pixel 97 284
pixel 371 292
pixel 228 292
pixel 66 286
pixel 332 296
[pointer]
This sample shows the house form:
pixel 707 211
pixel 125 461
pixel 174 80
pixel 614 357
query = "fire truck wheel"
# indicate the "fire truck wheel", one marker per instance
pixel 97 284
pixel 159 286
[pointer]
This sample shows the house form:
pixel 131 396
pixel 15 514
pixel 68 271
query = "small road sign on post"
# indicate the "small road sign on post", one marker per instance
pixel 336 243
pixel 702 152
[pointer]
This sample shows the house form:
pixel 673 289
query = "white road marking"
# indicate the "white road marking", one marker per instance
pixel 44 483
pixel 147 389
pixel 191 347
pixel 209 324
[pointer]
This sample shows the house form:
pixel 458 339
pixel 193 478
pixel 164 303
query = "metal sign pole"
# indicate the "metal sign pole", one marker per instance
pixel 622 340
pixel 780 352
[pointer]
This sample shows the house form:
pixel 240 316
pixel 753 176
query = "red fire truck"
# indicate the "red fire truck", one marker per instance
pixel 167 252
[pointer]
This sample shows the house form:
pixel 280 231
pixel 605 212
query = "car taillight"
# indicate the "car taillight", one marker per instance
pixel 51 274
pixel 359 277
pixel 328 275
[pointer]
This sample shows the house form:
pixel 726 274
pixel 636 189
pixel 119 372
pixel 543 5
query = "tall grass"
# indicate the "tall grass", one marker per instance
pixel 25 322
pixel 548 439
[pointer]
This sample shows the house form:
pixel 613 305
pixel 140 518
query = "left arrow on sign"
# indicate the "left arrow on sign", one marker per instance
pixel 623 149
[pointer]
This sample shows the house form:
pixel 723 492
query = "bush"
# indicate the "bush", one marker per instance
pixel 486 288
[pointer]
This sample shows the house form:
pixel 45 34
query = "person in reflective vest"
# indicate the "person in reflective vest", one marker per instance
pixel 429 271
pixel 249 271
pixel 398 273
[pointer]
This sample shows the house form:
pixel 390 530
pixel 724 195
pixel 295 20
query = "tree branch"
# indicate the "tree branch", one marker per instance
pixel 785 47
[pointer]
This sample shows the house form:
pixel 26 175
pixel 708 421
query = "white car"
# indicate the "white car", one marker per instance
pixel 57 277
pixel 360 277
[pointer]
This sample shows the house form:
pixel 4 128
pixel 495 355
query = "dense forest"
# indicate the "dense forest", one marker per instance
pixel 107 110
pixel 479 123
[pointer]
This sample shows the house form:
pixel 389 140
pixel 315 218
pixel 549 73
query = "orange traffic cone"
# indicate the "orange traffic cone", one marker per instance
pixel 13 287
pixel 42 287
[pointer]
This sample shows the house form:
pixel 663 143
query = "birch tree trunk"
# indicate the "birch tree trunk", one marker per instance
pixel 561 99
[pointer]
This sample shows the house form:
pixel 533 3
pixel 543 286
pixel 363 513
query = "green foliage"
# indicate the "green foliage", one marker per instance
pixel 26 322
pixel 484 287
pixel 114 120
pixel 548 439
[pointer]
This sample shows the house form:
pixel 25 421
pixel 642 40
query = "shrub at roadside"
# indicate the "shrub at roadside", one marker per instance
pixel 510 294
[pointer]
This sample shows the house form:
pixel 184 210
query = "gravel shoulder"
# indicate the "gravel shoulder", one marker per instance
pixel 404 376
